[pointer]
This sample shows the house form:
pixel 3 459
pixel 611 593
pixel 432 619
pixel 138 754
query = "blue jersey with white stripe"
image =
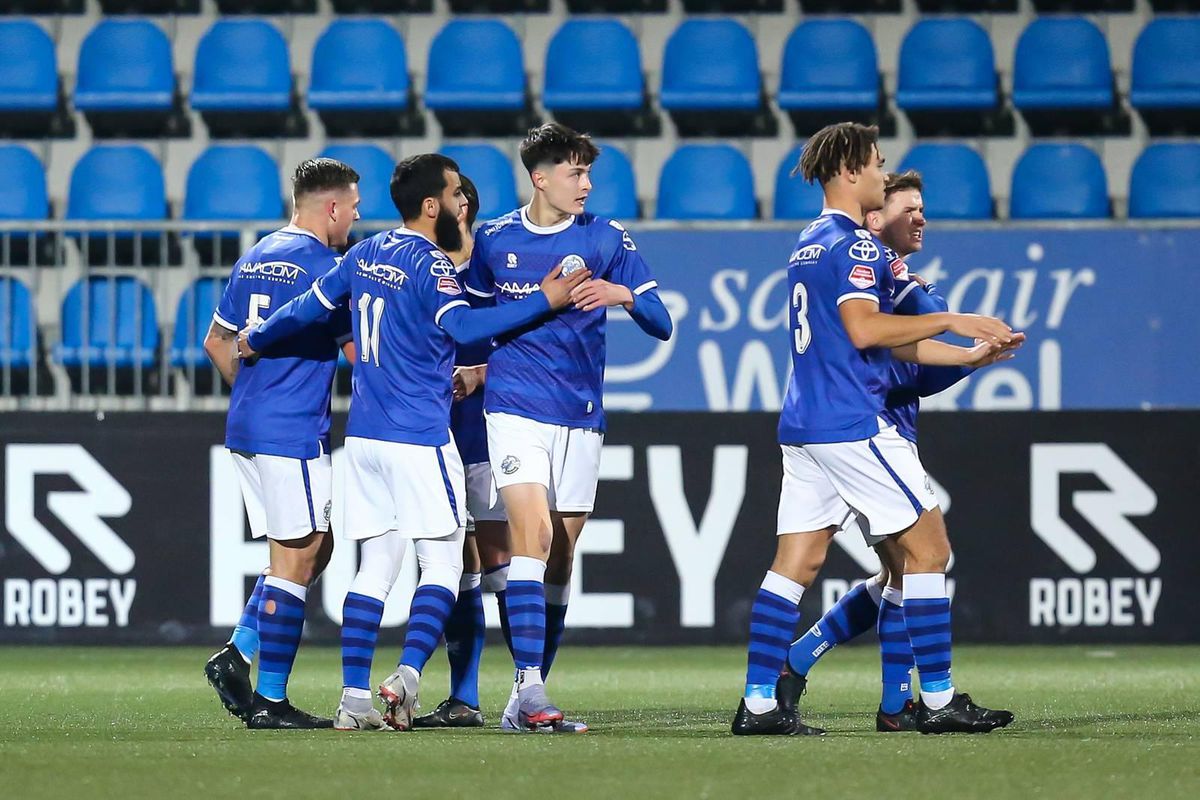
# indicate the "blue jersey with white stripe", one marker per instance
pixel 552 371
pixel 836 392
pixel 466 415
pixel 398 285
pixel 280 402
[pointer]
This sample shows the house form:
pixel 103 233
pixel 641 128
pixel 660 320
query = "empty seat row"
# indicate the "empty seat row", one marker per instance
pixel 360 65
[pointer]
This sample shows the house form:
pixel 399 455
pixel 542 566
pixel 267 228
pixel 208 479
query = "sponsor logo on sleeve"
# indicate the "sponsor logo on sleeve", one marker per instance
pixel 862 276
pixel 864 250
pixel 449 286
pixel 899 269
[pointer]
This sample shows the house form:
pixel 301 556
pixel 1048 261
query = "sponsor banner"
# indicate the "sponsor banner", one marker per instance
pixel 1110 324
pixel 1066 527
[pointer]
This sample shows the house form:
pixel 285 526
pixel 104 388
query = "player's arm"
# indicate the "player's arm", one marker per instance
pixel 917 297
pixel 466 324
pixel 867 326
pixel 931 352
pixel 220 343
pixel 313 307
pixel 631 287
pixel 933 380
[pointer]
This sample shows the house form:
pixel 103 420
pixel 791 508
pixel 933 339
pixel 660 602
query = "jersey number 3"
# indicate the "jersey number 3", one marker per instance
pixel 370 313
pixel 803 331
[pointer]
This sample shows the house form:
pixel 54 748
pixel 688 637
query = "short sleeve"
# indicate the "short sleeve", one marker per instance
pixel 438 284
pixel 861 271
pixel 227 314
pixel 333 288
pixel 625 264
pixel 479 281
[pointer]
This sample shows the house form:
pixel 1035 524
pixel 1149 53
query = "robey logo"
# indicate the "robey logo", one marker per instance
pixel 66 601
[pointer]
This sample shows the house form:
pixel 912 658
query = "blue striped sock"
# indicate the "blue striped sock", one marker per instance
pixel 928 622
pixel 852 615
pixel 280 625
pixel 773 619
pixel 245 635
pixel 556 623
pixel 360 631
pixel 895 656
pixel 431 605
pixel 526 605
pixel 464 644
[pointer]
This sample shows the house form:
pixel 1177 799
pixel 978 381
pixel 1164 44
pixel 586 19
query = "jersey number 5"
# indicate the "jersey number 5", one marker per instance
pixel 803 332
pixel 370 312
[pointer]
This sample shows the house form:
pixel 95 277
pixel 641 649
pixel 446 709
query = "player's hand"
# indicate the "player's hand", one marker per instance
pixel 599 293
pixel 558 287
pixel 920 281
pixel 984 354
pixel 245 351
pixel 467 380
pixel 975 326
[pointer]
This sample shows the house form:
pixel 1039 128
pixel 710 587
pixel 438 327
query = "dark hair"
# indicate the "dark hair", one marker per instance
pixel 472 194
pixel 554 143
pixel 846 144
pixel 902 181
pixel 321 174
pixel 416 178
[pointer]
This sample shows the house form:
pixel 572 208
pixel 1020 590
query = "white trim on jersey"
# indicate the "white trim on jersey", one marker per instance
pixel 912 285
pixel 478 293
pixel 825 212
pixel 293 228
pixel 437 318
pixel 229 326
pixel 321 296
pixel 858 296
pixel 544 231
pixel 645 287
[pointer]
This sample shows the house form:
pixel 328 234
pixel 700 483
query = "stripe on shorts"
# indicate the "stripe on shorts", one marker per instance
pixel 912 498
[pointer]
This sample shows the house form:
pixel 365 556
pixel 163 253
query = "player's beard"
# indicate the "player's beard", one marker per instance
pixel 446 231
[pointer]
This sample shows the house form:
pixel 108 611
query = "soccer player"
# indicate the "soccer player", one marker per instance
pixel 838 454
pixel 278 434
pixel 404 478
pixel 877 603
pixel 543 405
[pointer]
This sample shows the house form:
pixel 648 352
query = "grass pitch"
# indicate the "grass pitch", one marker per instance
pixel 133 722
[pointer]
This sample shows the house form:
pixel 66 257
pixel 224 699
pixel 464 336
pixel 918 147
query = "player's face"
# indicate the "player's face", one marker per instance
pixel 870 183
pixel 903 222
pixel 452 208
pixel 343 213
pixel 566 186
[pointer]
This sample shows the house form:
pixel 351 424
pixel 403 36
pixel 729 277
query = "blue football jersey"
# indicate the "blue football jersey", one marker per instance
pixel 280 403
pixel 398 285
pixel 552 371
pixel 466 416
pixel 836 392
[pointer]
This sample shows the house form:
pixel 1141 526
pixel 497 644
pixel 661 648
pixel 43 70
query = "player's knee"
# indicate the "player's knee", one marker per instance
pixel 495 580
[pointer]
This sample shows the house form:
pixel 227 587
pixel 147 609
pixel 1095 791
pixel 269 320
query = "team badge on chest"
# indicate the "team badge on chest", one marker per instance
pixel 572 263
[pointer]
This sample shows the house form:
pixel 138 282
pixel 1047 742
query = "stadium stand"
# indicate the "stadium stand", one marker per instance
pixel 192 318
pixel 119 182
pixel 956 181
pixel 382 6
pixel 31 104
pixel 1165 81
pixel 109 335
pixel 794 198
pixel 1059 181
pixel 492 173
pixel 23 190
pixel 18 325
pixel 150 6
pixel 1166 182
pixel 231 182
pixel 484 95
pixel 374 167
pixel 706 182
pixel 614 186
pixel 843 84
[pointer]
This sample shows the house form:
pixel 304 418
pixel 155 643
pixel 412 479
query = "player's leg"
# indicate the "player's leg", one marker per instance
pixel 491 540
pixel 567 530
pixel 897 712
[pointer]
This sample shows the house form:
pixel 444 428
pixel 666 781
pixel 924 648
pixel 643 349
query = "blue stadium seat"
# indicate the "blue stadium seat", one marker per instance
pixel 233 182
pixel 955 178
pixel 18 325
pixel 359 64
pixel 846 76
pixel 1059 181
pixel 192 320
pixel 28 69
pixel 491 172
pixel 125 65
pixel 23 190
pixel 711 64
pixel 614 188
pixel 946 64
pixel 374 167
pixel 117 182
pixel 1165 83
pixel 1062 62
pixel 706 182
pixel 593 64
pixel 492 78
pixel 1166 182
pixel 794 198
pixel 108 320
pixel 242 65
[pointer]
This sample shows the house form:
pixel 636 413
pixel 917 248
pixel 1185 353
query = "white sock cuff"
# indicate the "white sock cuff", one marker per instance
pixel 925 585
pixel 294 589
pixel 558 594
pixel 469 581
pixel 524 568
pixel 495 580
pixel 874 588
pixel 369 585
pixel 893 595
pixel 786 588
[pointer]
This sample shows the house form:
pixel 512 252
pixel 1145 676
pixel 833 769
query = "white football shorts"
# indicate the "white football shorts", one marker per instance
pixel 286 498
pixel 881 480
pixel 416 490
pixel 564 460
pixel 480 495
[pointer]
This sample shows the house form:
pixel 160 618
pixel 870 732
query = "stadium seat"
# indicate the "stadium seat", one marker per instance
pixel 150 6
pixel 29 97
pixel 1165 82
pixel 230 182
pixel 955 178
pixel 614 187
pixel 947 78
pixel 1062 78
pixel 118 182
pixel 1059 181
pixel 192 319
pixel 108 321
pixel 1084 6
pixel 499 6
pixel 1166 182
pixel 360 84
pixel 617 6
pixel 267 6
pixel 491 172
pixel 733 6
pixel 966 6
pixel 383 6
pixel 706 182
pixel 843 84
pixel 374 167
pixel 23 190
pixel 594 77
pixel 481 95
pixel 243 81
pixel 126 83
pixel 795 198
pixel 18 326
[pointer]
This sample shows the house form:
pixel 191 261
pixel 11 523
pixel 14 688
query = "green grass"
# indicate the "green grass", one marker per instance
pixel 130 723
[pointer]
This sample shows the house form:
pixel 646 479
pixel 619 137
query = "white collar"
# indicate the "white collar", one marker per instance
pixel 410 232
pixel 825 212
pixel 292 228
pixel 557 228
